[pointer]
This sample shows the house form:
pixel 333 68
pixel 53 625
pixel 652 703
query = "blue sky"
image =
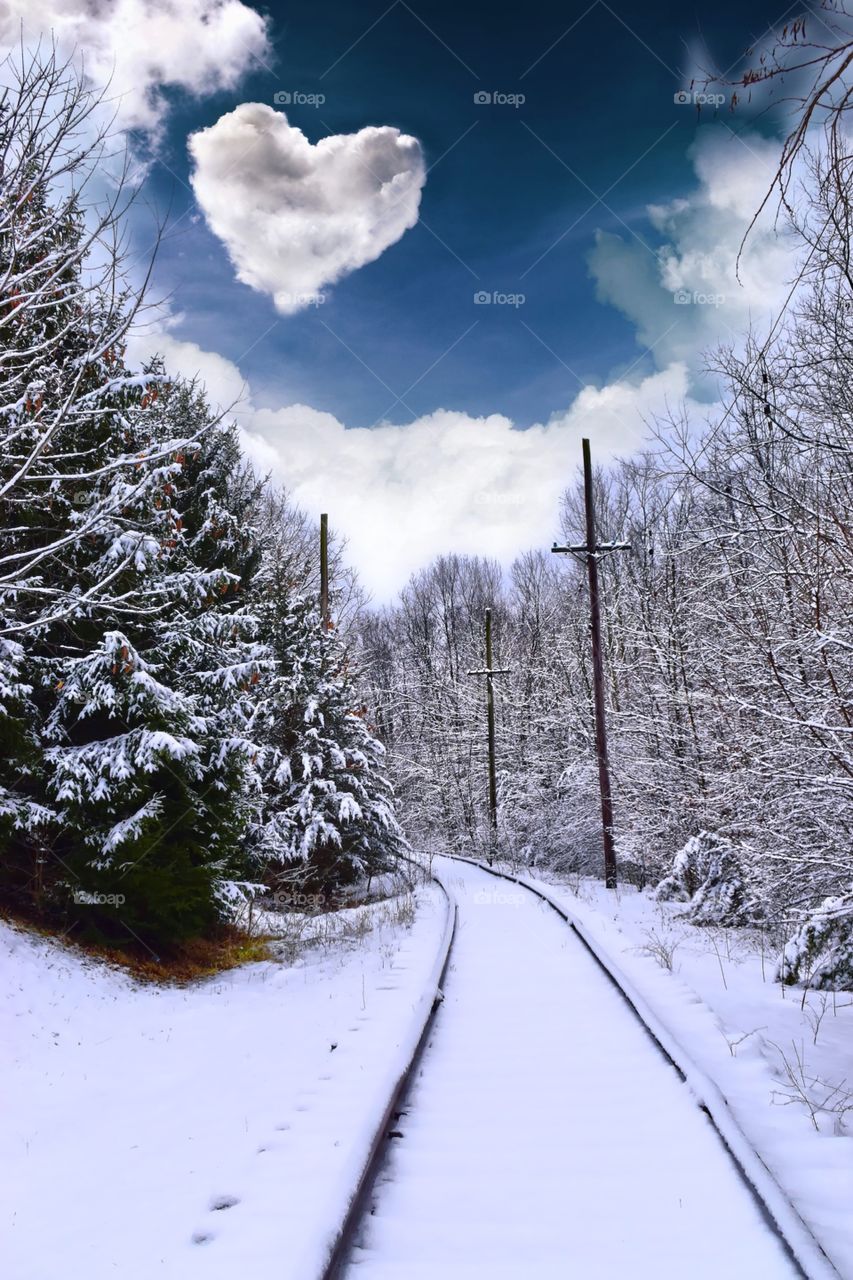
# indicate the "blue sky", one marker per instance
pixel 510 202
pixel 337 152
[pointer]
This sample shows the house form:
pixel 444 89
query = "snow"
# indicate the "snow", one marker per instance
pixel 545 1134
pixel 721 1005
pixel 220 1129
pixel 137 1110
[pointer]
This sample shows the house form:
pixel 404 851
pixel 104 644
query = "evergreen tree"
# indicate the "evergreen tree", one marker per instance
pixel 74 448
pixel 70 443
pixel 148 756
pixel 135 676
pixel 326 815
pixel 22 817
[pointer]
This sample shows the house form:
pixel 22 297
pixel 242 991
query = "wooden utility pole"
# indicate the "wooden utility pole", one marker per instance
pixel 490 671
pixel 324 571
pixel 590 554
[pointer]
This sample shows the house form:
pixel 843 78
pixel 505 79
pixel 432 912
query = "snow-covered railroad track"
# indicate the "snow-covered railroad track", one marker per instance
pixel 545 1135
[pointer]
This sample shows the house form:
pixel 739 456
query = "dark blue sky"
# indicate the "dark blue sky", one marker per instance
pixel 511 204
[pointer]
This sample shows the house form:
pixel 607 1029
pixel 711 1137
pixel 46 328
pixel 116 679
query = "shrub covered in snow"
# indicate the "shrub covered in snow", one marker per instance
pixel 820 953
pixel 707 875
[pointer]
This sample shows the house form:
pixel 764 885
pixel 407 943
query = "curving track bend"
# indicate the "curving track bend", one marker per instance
pixel 544 1135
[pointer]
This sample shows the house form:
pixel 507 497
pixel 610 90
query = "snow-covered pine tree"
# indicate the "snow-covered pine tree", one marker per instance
pixel 71 456
pixel 128 658
pixel 326 815
pixel 22 816
pixel 148 763
pixel 65 309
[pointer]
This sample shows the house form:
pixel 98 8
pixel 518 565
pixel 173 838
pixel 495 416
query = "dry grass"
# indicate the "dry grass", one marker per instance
pixel 194 959
pixel 234 945
pixel 186 962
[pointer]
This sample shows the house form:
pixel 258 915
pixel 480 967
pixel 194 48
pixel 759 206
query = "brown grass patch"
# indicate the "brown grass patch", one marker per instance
pixel 186 962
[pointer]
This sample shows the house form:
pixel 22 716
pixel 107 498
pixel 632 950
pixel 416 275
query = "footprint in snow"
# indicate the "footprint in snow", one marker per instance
pixel 223 1202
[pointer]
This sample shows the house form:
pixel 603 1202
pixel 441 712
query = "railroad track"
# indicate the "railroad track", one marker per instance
pixel 362 1238
pixel 342 1242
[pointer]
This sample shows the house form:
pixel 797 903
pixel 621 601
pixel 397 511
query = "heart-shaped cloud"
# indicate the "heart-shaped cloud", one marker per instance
pixel 295 216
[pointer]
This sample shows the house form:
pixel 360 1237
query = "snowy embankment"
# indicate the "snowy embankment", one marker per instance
pixel 212 1130
pixel 775 1054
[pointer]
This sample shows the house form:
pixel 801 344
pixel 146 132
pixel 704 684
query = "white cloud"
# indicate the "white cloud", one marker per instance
pixel 446 482
pixel 296 217
pixel 225 386
pixel 702 236
pixel 143 47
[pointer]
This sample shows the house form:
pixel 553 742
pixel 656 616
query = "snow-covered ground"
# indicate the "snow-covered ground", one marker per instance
pixel 208 1131
pixel 219 1130
pixel 767 1047
pixel 546 1136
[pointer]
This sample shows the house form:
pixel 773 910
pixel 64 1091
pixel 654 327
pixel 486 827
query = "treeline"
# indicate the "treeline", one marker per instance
pixel 729 640
pixel 179 730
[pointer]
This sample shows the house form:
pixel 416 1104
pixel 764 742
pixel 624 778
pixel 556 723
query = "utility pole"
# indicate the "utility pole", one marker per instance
pixel 590 554
pixel 324 571
pixel 490 671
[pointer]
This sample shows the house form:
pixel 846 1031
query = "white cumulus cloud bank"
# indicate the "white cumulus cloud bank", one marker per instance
pixel 690 295
pixel 296 216
pixel 143 48
pixel 402 494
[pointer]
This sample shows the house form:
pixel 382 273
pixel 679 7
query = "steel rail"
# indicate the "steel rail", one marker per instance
pixel 802 1245
pixel 344 1236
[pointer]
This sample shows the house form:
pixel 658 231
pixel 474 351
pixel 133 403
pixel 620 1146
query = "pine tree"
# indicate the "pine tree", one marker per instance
pixel 135 670
pixel 65 309
pixel 71 443
pixel 148 762
pixel 327 814
pixel 128 661
pixel 22 816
